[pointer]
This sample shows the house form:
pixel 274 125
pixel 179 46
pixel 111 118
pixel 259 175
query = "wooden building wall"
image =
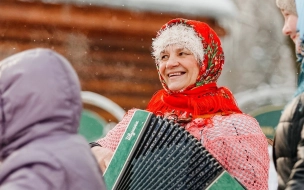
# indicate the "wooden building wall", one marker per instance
pixel 109 48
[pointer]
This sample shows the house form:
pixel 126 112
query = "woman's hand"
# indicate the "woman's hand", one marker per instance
pixel 103 156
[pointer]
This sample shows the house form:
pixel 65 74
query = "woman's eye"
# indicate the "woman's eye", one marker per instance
pixel 164 57
pixel 183 53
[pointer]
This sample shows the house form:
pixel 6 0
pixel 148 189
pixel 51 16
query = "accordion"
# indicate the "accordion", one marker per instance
pixel 156 153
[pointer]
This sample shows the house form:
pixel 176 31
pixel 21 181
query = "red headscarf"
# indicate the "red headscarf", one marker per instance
pixel 203 97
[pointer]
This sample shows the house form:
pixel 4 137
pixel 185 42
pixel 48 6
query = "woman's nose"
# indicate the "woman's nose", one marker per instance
pixel 286 29
pixel 172 62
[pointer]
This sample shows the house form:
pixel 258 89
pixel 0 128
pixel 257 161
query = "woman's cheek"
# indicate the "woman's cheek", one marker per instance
pixel 161 69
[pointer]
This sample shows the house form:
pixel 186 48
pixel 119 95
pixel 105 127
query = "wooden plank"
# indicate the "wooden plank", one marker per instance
pixel 113 72
pixel 51 35
pixel 100 18
pixel 121 87
pixel 76 17
pixel 82 53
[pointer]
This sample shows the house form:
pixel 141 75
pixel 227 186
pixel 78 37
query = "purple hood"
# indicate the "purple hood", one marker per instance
pixel 40 108
pixel 36 86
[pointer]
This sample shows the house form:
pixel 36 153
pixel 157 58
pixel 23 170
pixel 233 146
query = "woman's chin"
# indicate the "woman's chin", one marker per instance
pixel 176 88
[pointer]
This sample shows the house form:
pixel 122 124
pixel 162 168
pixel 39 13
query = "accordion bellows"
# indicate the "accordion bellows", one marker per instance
pixel 156 153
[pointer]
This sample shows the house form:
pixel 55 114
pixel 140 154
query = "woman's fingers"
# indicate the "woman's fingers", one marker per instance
pixel 103 157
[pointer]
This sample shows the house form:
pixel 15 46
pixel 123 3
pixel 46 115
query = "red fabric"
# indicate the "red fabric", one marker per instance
pixel 206 99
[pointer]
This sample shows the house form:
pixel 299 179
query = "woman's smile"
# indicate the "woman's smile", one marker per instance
pixel 176 74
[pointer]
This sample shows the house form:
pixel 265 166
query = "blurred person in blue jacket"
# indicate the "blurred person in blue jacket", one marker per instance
pixel 40 107
pixel 288 149
pixel 300 30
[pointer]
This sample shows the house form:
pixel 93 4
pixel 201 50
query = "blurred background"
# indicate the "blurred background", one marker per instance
pixel 109 45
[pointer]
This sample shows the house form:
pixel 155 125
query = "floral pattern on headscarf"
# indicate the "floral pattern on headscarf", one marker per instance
pixel 211 67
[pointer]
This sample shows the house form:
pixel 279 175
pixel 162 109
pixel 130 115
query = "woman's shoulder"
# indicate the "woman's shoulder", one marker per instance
pixel 237 117
pixel 238 121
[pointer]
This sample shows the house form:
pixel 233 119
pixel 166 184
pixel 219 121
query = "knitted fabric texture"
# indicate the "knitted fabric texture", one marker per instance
pixel 236 141
pixel 288 5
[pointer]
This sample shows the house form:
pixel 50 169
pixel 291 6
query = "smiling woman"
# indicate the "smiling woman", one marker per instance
pixel 178 67
pixel 189 59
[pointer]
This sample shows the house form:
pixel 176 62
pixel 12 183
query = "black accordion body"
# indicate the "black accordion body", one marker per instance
pixel 156 153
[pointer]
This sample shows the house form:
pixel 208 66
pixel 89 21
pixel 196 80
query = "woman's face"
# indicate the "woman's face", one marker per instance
pixel 178 67
pixel 290 25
